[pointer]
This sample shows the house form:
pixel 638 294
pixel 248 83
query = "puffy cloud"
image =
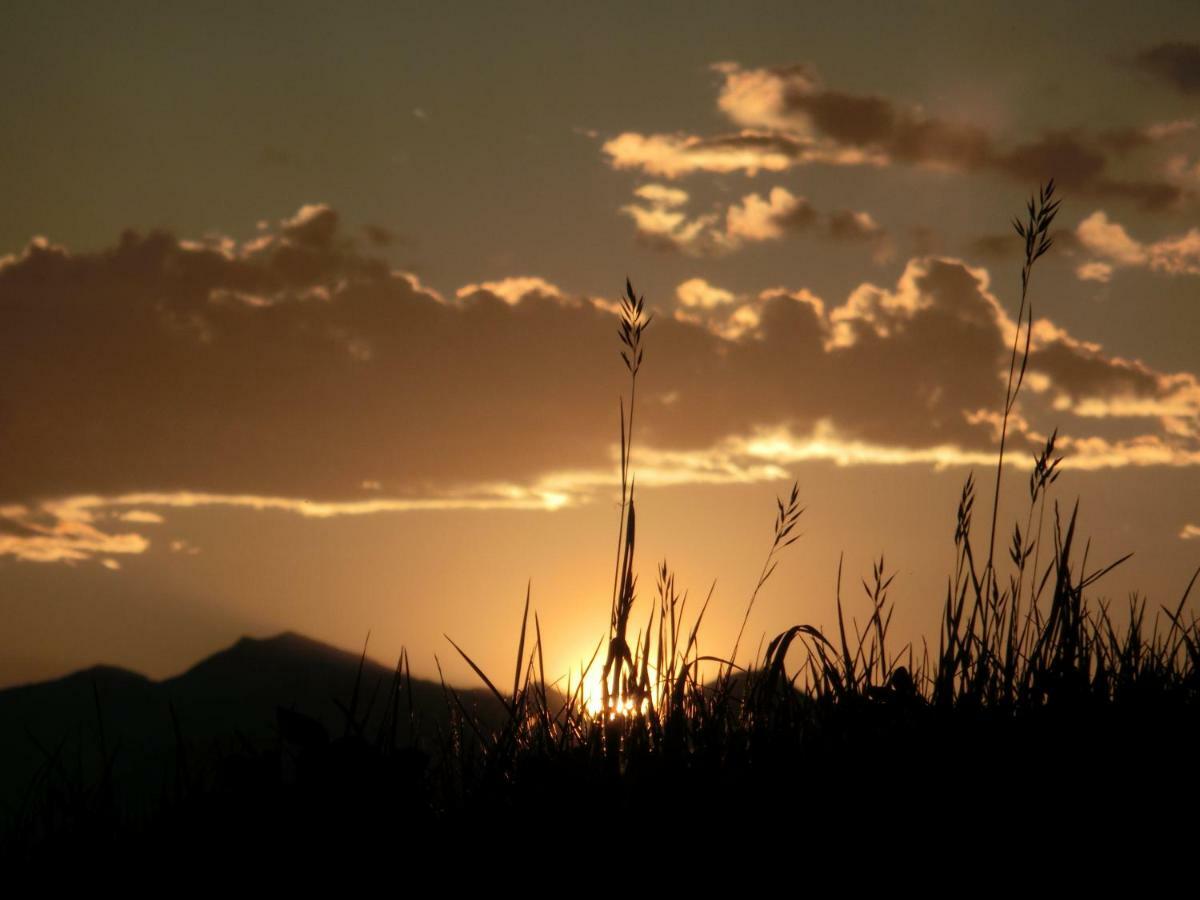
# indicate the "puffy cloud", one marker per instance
pixel 1179 255
pixel 662 225
pixel 1110 240
pixel 788 117
pixel 758 219
pixel 297 373
pixel 662 222
pixel 698 293
pixel 1175 62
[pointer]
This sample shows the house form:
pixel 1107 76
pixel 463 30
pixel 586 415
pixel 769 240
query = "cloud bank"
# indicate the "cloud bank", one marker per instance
pixel 297 372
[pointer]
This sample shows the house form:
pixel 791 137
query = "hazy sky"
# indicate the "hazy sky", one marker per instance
pixel 306 309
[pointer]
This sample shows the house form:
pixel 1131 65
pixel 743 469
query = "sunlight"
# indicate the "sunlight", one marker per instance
pixel 593 702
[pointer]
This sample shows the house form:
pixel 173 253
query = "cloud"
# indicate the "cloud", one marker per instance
pixel 1126 140
pixel 1079 162
pixel 297 373
pixel 1110 240
pixel 48 536
pixel 512 290
pixel 1094 271
pixel 1179 168
pixel 759 219
pixel 1099 236
pixel 662 195
pixel 746 151
pixel 853 225
pixel 71 529
pixel 662 221
pixel 1189 532
pixel 788 117
pixel 1175 62
pixel 142 516
pixel 793 99
pixel 696 293
pixel 314 225
pixel 1008 245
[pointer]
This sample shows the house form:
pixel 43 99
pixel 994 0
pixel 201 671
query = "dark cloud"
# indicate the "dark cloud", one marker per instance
pixel 1081 372
pixel 1175 62
pixel 1007 245
pixel 1077 161
pixel 298 369
pixel 872 121
pixel 297 366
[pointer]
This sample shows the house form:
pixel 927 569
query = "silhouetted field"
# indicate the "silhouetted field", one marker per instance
pixel 1031 722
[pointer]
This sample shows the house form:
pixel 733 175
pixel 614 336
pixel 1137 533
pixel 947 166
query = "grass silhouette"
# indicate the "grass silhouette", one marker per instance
pixel 1034 714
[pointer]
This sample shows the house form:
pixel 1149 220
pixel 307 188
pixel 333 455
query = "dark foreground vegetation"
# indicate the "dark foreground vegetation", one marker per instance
pixel 1033 722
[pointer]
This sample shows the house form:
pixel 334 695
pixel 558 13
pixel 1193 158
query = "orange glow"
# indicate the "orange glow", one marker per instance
pixel 592 697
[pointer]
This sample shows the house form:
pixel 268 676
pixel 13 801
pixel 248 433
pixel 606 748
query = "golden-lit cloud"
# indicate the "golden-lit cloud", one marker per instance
pixel 787 116
pixel 1177 255
pixel 48 535
pixel 766 219
pixel 74 529
pixel 662 221
pixel 661 195
pixel 749 152
pixel 696 293
pixel 512 289
pixel 1094 271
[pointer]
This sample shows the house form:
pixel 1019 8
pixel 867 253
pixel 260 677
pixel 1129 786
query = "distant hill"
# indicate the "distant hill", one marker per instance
pixel 221 704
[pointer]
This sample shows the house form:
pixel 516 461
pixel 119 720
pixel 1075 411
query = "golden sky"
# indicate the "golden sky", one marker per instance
pixel 306 312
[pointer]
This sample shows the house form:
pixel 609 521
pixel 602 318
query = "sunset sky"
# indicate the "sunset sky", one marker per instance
pixel 306 310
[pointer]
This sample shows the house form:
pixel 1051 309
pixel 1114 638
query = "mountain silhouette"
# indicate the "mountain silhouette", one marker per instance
pixel 71 729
